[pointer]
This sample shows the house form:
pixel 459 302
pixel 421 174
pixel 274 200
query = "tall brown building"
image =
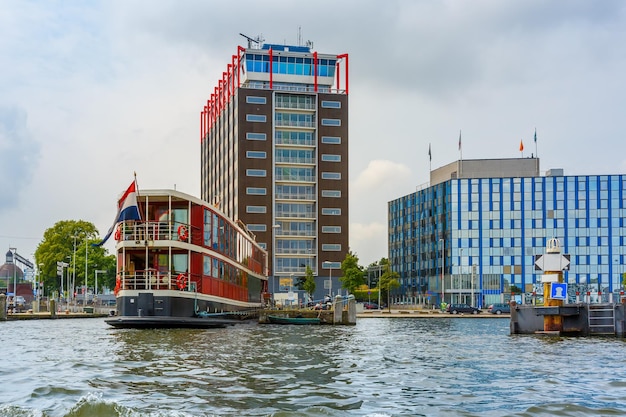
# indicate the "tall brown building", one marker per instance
pixel 274 140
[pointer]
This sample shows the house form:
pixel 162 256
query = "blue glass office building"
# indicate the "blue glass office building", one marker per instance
pixel 482 222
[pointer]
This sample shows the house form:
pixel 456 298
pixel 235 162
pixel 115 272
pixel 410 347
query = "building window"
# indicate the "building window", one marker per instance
pixel 331 104
pixel 256 209
pixel 331 211
pixel 256 191
pixel 256 118
pixel 331 122
pixel 331 229
pixel 331 175
pixel 257 227
pixel 256 154
pixel 256 100
pixel 331 140
pixel 256 173
pixel 256 136
pixel 331 193
pixel 331 158
pixel 331 247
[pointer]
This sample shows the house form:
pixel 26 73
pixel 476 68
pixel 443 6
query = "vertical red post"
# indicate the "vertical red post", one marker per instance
pixel 271 69
pixel 315 71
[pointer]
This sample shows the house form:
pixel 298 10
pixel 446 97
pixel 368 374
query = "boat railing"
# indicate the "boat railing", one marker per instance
pixel 153 230
pixel 152 279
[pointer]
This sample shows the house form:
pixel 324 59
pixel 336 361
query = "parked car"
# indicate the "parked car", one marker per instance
pixel 371 306
pixel 462 308
pixel 499 308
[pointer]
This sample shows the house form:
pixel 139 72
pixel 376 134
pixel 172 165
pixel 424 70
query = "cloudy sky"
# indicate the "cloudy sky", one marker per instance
pixel 93 91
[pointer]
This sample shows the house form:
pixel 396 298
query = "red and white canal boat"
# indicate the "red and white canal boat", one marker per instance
pixel 182 263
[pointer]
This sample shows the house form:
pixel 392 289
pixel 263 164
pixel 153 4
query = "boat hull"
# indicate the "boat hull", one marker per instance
pixel 161 309
pixel 169 322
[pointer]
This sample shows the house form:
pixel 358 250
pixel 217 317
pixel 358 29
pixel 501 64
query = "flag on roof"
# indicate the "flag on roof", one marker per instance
pixel 127 209
pixel 521 146
pixel 430 156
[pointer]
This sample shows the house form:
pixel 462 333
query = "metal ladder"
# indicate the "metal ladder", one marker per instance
pixel 601 318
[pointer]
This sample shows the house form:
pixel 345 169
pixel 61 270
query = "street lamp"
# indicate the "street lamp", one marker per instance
pixel 443 290
pixel 85 292
pixel 95 290
pixel 274 228
pixel 39 287
pixel 73 269
pixel 330 278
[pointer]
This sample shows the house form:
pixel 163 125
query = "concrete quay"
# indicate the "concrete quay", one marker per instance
pixel 424 313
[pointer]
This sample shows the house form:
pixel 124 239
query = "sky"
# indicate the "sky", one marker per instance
pixel 94 91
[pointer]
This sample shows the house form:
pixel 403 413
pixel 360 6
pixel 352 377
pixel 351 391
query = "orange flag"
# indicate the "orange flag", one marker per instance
pixel 521 145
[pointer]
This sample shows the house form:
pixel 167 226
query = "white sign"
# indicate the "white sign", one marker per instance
pixel 550 278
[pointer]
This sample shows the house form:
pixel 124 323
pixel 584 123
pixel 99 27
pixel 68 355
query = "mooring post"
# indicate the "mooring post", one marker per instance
pixel 3 307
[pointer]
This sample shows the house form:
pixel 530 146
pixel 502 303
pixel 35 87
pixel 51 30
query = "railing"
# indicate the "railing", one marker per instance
pixel 158 231
pixel 294 123
pixel 148 280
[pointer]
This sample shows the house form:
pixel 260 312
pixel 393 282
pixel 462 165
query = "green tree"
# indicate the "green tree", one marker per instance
pixel 353 276
pixel 309 281
pixel 57 245
pixel 388 282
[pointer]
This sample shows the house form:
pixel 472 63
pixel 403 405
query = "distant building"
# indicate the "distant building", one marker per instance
pixel 274 154
pixel 483 221
pixel 11 274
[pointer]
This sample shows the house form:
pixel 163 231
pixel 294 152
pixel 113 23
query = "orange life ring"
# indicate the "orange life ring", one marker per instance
pixel 181 281
pixel 183 234
pixel 118 233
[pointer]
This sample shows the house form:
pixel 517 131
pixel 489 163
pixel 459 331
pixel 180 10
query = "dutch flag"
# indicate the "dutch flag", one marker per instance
pixel 127 209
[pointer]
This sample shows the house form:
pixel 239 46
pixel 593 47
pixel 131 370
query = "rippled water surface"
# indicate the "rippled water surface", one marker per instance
pixel 380 367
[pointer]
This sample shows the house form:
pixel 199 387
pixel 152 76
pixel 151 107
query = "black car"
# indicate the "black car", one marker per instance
pixel 462 308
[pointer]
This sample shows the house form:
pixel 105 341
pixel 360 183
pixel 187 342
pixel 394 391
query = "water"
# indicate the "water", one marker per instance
pixel 378 368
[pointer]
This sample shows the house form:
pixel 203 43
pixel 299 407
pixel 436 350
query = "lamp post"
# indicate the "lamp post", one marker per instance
pixel 473 271
pixel 39 287
pixel 73 268
pixel 95 289
pixel 460 273
pixel 330 278
pixel 13 250
pixel 379 287
pixel 443 290
pixel 85 291
pixel 274 229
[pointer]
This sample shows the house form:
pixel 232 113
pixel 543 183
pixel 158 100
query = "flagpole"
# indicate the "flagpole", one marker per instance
pixel 536 151
pixel 460 156
pixel 430 161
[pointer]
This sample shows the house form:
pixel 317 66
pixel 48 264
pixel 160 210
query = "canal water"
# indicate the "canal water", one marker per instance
pixel 380 367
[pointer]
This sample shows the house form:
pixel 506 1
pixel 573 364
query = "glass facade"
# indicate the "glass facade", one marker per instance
pixel 485 233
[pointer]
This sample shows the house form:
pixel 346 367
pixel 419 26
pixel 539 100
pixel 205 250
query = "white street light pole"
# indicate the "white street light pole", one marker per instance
pixel 330 278
pixel 274 229
pixel 95 290
pixel 443 290
pixel 473 270
pixel 460 273
pixel 85 291
pixel 73 269
pixel 14 250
